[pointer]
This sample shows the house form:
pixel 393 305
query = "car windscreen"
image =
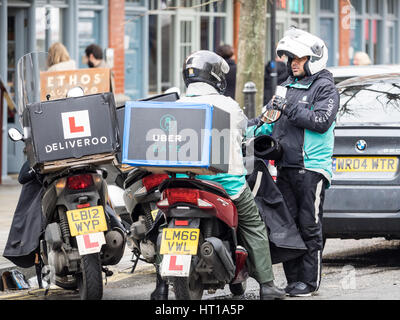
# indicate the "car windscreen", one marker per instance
pixel 369 104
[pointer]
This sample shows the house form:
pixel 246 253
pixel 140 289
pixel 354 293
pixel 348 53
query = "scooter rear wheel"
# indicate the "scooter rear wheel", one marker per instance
pixel 238 289
pixel 90 281
pixel 188 288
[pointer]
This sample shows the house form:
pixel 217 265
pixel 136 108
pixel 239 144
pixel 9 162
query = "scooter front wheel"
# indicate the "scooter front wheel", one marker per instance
pixel 90 281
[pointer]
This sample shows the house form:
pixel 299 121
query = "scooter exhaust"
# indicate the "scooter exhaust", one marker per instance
pixel 217 257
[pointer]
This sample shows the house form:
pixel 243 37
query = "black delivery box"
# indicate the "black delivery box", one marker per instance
pixel 72 128
pixel 176 137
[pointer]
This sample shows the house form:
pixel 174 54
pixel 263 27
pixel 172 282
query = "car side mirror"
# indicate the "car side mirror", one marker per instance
pixel 15 135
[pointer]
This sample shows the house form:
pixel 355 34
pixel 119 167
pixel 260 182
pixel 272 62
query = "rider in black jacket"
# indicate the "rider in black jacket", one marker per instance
pixel 305 133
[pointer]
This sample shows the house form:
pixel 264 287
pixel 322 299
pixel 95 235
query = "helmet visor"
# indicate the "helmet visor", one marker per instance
pixel 203 61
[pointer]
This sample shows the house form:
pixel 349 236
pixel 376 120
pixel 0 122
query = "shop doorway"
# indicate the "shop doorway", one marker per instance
pixel 134 58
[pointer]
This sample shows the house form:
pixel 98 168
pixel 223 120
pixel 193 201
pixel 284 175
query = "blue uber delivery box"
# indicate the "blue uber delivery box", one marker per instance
pixel 176 137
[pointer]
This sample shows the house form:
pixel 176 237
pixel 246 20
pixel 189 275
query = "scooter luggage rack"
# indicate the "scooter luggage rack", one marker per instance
pixel 58 165
pixel 177 170
pixel 124 167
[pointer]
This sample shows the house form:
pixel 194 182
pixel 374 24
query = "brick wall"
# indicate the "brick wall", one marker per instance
pixel 116 32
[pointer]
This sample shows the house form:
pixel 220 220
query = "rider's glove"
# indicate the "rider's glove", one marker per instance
pixel 279 103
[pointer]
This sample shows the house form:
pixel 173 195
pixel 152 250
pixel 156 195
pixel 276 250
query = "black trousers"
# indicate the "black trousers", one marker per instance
pixel 304 193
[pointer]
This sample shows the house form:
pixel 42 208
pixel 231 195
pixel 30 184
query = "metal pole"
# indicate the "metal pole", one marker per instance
pixel 250 91
pixel 274 71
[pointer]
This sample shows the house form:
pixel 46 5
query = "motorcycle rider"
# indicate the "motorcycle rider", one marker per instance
pixel 204 75
pixel 305 132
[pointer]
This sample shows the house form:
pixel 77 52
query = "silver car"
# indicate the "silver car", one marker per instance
pixel 364 199
pixel 342 73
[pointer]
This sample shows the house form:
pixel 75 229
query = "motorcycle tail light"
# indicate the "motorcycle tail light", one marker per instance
pixel 78 182
pixel 84 205
pixel 153 180
pixel 182 195
pixel 181 223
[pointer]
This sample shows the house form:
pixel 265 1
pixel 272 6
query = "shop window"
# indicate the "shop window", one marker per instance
pixel 373 6
pixel 187 3
pixel 303 24
pixel 48 27
pixel 280 31
pixel 152 5
pixel 372 40
pixel 392 7
pixel 299 6
pixel 204 33
pixel 89 31
pixel 161 5
pixel 160 65
pixel 54 3
pixel 392 26
pixel 166 30
pixel 11 55
pixel 90 2
pixel 326 32
pixel 134 2
pixel 205 6
pixel 219 6
pixel 356 38
pixel 281 5
pixel 153 44
pixel 357 4
pixel 327 6
pixel 168 49
pixel 219 32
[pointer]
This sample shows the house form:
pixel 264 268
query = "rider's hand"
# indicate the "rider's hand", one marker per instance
pixel 279 103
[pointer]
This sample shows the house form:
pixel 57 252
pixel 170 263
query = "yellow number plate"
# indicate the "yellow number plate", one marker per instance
pixel 86 220
pixel 367 164
pixel 180 241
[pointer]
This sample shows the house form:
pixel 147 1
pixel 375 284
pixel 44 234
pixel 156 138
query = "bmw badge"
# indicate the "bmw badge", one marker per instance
pixel 361 145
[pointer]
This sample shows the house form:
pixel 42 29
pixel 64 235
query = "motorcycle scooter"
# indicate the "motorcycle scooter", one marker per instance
pixel 200 246
pixel 81 234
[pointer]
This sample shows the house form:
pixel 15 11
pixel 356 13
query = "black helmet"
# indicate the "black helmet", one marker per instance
pixel 206 66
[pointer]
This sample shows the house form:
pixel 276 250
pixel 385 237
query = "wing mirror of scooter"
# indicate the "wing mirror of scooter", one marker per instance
pixel 15 135
pixel 75 92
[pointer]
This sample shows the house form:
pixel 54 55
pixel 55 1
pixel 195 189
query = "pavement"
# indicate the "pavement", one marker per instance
pixel 10 190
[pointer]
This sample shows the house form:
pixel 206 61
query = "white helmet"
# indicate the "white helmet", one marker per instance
pixel 300 43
